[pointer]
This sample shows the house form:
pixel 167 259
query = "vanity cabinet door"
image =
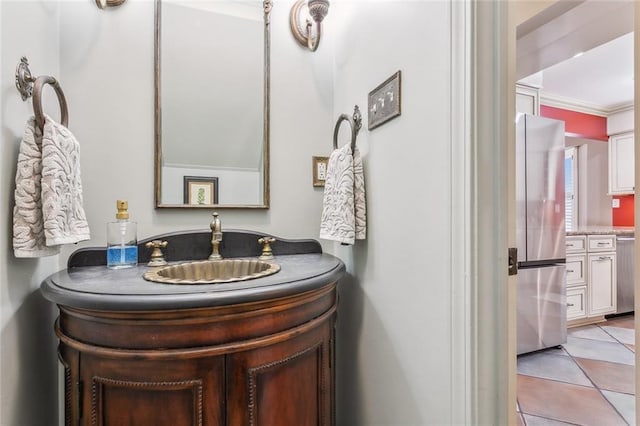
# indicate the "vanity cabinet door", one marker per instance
pixel 286 384
pixel 119 392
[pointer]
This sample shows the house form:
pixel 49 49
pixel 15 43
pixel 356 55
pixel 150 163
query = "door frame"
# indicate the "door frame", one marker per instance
pixel 492 211
pixel 490 154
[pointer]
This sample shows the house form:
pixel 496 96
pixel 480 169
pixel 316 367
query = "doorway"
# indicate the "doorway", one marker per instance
pixel 540 17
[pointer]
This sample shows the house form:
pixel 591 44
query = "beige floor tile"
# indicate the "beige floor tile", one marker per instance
pixel 609 375
pixel 565 402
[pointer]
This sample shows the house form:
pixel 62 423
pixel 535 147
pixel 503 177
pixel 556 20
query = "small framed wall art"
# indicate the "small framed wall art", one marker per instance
pixel 319 170
pixel 200 190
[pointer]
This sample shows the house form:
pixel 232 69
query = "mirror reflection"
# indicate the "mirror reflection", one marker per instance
pixel 212 103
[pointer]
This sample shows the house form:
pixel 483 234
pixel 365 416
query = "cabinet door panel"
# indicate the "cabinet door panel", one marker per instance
pixel 601 243
pixel 576 244
pixel 285 384
pixel 621 164
pixel 602 284
pixel 576 270
pixel 576 303
pixel 132 393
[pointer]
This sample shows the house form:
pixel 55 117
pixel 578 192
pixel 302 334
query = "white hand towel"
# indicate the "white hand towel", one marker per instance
pixel 344 206
pixel 64 219
pixel 48 196
pixel 28 228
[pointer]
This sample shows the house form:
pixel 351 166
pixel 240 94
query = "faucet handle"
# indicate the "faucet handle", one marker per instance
pixel 216 225
pixel 157 257
pixel 267 253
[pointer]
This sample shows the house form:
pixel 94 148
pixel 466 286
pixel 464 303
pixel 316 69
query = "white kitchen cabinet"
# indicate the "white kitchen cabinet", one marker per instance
pixel 576 270
pixel 576 244
pixel 598 243
pixel 602 284
pixel 527 99
pixel 577 302
pixel 621 164
pixel 591 277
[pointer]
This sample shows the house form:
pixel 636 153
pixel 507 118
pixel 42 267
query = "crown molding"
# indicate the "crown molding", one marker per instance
pixel 622 108
pixel 582 106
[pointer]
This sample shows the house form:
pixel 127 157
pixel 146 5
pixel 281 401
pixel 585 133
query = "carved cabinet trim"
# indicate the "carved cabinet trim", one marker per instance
pixel 283 357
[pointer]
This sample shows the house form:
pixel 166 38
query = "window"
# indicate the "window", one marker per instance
pixel 571 188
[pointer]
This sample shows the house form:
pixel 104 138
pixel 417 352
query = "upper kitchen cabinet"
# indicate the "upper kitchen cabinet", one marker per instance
pixel 621 164
pixel 527 99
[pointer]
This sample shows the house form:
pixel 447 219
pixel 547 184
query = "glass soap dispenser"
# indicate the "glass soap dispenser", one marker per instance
pixel 122 242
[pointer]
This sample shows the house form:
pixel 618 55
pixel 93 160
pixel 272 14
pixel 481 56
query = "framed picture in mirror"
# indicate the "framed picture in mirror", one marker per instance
pixel 200 190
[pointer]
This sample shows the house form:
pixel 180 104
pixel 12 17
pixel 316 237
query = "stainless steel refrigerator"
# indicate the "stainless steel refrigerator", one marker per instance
pixel 540 233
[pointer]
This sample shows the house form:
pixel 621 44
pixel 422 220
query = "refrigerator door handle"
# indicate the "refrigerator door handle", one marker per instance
pixel 513 261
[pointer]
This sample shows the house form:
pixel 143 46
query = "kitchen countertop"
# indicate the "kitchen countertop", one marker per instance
pixel 603 230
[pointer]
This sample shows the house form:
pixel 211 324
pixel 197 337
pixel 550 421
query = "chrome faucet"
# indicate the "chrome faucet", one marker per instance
pixel 216 237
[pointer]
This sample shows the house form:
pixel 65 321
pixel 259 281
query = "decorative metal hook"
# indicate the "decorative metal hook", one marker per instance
pixel 30 86
pixel 24 79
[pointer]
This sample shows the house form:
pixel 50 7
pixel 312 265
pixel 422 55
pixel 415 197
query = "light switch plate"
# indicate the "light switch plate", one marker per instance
pixel 615 203
pixel 384 101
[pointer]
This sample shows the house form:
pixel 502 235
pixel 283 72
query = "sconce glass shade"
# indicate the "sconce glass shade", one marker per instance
pixel 318 9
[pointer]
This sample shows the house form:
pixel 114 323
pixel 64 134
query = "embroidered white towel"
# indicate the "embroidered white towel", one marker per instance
pixel 28 228
pixel 344 205
pixel 48 196
pixel 65 221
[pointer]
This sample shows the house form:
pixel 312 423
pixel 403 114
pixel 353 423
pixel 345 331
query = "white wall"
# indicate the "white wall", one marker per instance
pixel 394 332
pixel 107 70
pixel 222 126
pixel 234 186
pixel 620 122
pixel 28 388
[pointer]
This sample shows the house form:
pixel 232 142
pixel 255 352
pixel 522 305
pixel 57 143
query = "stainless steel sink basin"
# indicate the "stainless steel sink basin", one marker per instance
pixel 212 271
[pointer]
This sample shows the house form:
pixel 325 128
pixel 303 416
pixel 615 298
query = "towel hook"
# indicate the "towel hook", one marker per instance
pixel 356 124
pixel 26 83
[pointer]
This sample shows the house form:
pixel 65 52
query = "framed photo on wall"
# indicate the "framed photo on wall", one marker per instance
pixel 200 190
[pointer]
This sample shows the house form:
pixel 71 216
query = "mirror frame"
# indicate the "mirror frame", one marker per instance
pixel 267 6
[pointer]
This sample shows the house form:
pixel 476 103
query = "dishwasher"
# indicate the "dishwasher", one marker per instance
pixel 625 272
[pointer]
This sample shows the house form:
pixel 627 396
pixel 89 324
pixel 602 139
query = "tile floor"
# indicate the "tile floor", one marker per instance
pixel 588 381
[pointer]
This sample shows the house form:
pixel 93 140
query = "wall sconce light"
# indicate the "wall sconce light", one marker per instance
pixel 102 4
pixel 318 9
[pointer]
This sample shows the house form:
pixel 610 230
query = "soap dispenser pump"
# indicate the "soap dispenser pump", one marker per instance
pixel 122 241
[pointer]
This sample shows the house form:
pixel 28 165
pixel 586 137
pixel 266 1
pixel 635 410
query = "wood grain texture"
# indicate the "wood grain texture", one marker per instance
pixel 259 363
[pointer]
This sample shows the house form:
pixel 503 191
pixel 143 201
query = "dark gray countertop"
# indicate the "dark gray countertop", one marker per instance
pixel 99 288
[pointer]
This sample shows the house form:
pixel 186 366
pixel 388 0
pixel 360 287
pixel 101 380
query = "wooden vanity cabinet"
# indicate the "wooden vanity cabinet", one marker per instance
pixel 257 363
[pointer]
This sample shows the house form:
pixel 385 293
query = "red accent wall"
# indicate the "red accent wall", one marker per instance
pixel 589 126
pixel 624 216
pixel 578 124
